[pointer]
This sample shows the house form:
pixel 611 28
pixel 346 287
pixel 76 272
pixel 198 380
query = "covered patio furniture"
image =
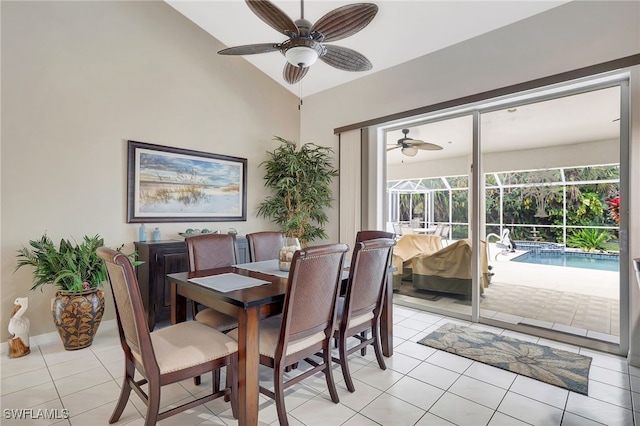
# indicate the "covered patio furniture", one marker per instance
pixel 449 270
pixel 409 247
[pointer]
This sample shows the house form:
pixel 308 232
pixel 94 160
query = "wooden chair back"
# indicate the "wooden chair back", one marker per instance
pixel 367 278
pixel 264 245
pixel 361 307
pixel 132 322
pixel 372 235
pixel 312 294
pixel 208 251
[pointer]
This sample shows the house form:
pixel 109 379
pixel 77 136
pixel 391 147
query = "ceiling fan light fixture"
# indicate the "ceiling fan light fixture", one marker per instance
pixel 301 56
pixel 305 43
pixel 410 151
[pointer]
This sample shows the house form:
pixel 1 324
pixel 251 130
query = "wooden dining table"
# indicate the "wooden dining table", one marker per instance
pixel 249 306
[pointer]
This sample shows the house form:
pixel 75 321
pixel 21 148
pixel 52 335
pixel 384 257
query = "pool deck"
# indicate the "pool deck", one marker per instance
pixel 589 282
pixel 578 301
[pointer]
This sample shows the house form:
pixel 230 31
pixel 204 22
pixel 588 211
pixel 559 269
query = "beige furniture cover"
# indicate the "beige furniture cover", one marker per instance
pixel 449 270
pixel 409 247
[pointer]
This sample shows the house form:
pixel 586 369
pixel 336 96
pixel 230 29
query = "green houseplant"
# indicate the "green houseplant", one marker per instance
pixel 70 266
pixel 300 181
pixel 79 273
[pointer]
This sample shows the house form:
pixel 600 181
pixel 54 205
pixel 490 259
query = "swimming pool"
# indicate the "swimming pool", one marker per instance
pixel 599 261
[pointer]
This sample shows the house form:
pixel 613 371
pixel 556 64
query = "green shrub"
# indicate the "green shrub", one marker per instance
pixel 589 239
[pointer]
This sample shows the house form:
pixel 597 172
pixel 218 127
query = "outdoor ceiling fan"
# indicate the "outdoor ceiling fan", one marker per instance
pixel 306 41
pixel 411 146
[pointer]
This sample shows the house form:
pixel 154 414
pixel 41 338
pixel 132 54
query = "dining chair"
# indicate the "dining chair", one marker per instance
pixel 443 231
pixel 359 310
pixel 165 356
pixel 360 237
pixel 264 245
pixel 306 325
pixel 209 251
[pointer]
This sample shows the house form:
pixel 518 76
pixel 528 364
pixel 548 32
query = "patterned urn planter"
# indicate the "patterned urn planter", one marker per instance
pixel 77 316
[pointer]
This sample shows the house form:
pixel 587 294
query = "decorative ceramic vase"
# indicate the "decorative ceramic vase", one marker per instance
pixel 77 316
pixel 286 253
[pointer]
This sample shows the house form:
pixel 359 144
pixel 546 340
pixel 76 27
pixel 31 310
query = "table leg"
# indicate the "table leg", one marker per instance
pixel 386 318
pixel 248 364
pixel 178 305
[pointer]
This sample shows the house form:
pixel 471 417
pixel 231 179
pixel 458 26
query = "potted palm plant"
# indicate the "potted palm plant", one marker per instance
pixel 300 181
pixel 79 273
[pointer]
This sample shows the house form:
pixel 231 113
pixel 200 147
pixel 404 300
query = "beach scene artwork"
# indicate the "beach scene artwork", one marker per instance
pixel 177 185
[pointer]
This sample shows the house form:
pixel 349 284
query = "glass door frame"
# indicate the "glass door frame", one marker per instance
pixel 476 187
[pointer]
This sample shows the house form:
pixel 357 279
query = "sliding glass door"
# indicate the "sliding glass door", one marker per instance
pixel 428 193
pixel 545 181
pixel 551 177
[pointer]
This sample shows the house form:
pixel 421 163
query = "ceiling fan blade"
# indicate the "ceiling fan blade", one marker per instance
pixel 345 21
pixel 427 146
pixel 345 59
pixel 250 49
pixel 293 74
pixel 273 16
pixel 394 147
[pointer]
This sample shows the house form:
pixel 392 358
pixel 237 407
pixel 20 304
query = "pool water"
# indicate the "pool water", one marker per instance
pixel 601 262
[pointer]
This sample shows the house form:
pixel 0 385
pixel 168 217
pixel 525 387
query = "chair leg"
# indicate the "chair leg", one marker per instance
pixel 290 368
pixel 153 404
pixel 194 309
pixel 129 372
pixel 363 351
pixel 328 373
pixel 344 364
pixel 216 380
pixel 376 346
pixel 278 390
pixel 232 383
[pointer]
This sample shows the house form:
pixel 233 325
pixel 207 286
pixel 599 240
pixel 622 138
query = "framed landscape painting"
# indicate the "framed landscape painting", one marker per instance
pixel 166 184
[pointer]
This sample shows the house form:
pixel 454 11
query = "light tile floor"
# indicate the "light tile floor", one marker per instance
pixel 421 386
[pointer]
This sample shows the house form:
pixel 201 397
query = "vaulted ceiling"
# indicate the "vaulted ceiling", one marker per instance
pixel 402 30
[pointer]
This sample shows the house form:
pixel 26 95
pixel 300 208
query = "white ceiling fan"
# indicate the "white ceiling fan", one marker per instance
pixel 410 147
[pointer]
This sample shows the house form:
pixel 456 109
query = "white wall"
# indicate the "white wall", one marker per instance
pixel 569 37
pixel 78 80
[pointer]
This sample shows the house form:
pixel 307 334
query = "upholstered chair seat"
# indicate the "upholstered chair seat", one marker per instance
pixel 188 344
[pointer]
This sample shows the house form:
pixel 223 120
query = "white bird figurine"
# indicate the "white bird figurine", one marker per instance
pixel 19 329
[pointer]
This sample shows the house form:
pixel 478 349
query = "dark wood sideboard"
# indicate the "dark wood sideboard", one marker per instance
pixel 161 258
